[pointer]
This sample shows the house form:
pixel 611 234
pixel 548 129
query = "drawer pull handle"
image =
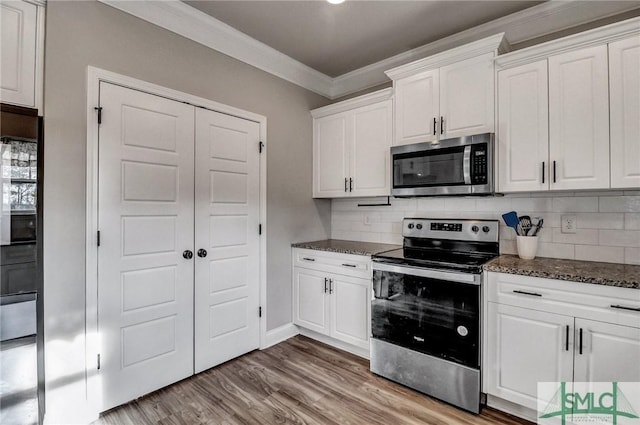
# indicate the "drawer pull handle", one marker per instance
pixel 622 307
pixel 325 284
pixel 330 286
pixel 349 265
pixel 566 340
pixel 580 341
pixel 533 294
pixel 308 259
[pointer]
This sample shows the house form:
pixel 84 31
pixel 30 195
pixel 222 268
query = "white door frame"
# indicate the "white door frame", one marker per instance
pixel 94 77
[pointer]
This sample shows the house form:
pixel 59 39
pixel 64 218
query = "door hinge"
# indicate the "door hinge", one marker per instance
pixel 259 229
pixel 260 146
pixel 98 361
pixel 99 109
pixel 98 239
pixel 260 311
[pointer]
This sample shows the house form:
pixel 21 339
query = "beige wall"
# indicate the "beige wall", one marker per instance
pixel 82 33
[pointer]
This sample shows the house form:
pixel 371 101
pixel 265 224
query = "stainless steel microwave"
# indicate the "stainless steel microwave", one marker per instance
pixel 459 166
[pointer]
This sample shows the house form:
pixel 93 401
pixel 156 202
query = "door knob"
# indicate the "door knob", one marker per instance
pixel 187 254
pixel 202 253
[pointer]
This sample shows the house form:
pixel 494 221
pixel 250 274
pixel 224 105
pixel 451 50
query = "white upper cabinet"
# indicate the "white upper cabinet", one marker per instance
pixel 579 119
pixel 467 97
pixel 449 94
pixel 21 49
pixel 569 112
pixel 523 128
pixel 330 156
pixel 624 92
pixel 417 106
pixel 351 147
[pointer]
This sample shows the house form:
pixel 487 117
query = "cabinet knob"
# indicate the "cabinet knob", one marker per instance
pixel 187 255
pixel 202 253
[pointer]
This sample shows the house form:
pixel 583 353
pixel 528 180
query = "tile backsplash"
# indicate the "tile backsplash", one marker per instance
pixel 607 226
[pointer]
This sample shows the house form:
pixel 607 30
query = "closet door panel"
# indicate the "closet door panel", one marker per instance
pixel 227 203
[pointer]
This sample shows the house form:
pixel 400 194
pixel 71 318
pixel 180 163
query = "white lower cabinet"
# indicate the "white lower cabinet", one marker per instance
pixel 526 347
pixel 543 330
pixel 330 303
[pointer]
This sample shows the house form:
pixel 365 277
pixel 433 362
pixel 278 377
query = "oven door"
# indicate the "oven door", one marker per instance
pixel 430 311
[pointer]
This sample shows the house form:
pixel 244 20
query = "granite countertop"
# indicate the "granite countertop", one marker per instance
pixel 609 274
pixel 347 247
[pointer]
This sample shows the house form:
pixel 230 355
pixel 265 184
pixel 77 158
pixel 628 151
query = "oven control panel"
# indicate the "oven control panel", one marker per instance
pixel 456 229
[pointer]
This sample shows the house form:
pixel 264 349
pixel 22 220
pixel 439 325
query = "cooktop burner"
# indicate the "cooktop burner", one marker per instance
pixel 447 244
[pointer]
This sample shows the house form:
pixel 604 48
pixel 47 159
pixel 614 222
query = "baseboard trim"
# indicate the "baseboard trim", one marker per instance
pixel 358 351
pixel 279 334
pixel 512 408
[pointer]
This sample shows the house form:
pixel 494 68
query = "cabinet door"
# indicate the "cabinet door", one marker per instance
pixel 526 347
pixel 609 352
pixel 310 301
pixel 467 97
pixel 18 46
pixel 370 150
pixel 416 108
pixel 330 146
pixel 624 83
pixel 579 119
pixel 523 128
pixel 350 298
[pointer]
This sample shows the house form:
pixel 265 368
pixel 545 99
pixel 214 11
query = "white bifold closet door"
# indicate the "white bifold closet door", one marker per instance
pixel 173 178
pixel 227 218
pixel 145 215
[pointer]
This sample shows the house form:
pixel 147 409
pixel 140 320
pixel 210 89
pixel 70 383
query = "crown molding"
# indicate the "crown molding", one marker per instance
pixel 596 36
pixel 537 21
pixel 195 25
pixel 350 104
pixel 495 44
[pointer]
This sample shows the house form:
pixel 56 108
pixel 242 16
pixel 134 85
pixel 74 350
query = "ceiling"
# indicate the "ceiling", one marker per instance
pixel 336 39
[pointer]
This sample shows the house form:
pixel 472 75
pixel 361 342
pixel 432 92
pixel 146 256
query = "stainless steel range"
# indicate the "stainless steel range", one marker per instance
pixel 426 309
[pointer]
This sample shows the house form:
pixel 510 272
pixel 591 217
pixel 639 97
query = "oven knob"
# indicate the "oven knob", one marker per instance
pixel 418 226
pixel 486 229
pixel 410 226
pixel 475 229
pixel 462 331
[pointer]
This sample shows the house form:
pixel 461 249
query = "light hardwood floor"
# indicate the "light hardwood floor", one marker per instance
pixel 299 381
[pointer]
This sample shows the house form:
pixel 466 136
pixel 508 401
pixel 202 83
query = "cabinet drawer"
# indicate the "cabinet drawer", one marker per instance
pixel 344 264
pixel 583 300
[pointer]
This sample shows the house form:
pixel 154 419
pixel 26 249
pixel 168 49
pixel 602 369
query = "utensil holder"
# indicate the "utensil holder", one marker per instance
pixel 527 247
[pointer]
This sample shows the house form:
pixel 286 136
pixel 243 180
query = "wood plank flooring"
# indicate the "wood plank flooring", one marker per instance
pixel 299 381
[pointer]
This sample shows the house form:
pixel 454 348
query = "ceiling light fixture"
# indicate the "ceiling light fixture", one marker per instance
pixel 335 1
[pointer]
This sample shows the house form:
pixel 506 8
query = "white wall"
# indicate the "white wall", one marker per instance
pixel 82 33
pixel 608 223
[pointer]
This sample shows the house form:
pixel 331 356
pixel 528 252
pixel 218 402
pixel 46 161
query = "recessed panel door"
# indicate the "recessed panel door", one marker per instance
pixel 330 156
pixel 145 285
pixel 227 207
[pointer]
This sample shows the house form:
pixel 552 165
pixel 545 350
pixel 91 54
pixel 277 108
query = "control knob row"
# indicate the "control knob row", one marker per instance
pixel 417 226
pixel 476 229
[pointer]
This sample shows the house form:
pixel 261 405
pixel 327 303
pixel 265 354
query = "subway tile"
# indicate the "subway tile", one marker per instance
pixel 460 204
pixel 556 250
pixel 370 237
pixel 348 216
pixel 630 238
pixel 600 193
pixel 430 204
pixel 391 216
pixel 632 221
pixel 409 204
pixel 498 204
pixel 632 256
pixel 508 247
pixel 341 225
pixel 343 205
pixel 620 204
pixel 347 235
pixel 607 254
pixel 575 204
pixel 582 237
pixel 600 221
pixel 532 205
pixel 391 238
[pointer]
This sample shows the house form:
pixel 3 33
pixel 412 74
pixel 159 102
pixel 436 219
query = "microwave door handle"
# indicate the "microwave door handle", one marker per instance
pixel 466 164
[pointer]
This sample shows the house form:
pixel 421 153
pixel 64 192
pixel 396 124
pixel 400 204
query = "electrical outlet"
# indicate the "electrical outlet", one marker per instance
pixel 568 223
pixel 367 220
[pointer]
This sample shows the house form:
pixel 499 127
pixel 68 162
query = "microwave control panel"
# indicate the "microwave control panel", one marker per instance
pixel 479 164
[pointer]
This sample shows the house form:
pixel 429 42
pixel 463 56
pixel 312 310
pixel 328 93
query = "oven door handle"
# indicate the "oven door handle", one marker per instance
pixel 466 164
pixel 473 279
